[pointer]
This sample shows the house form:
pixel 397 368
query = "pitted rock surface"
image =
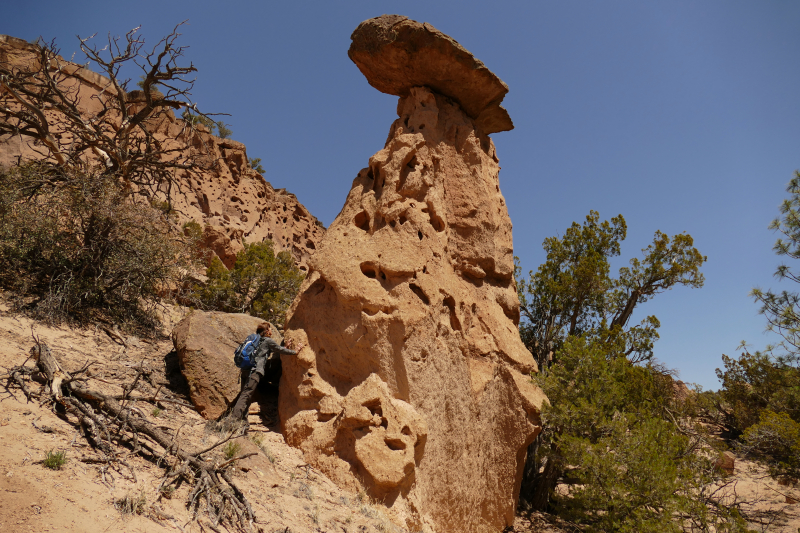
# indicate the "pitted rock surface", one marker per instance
pixel 414 382
pixel 396 53
pixel 230 200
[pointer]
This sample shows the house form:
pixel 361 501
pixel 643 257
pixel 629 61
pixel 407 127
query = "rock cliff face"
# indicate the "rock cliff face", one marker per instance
pixel 232 201
pixel 414 383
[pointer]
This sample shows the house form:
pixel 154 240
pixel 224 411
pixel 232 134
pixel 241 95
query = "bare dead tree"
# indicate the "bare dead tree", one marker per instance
pixel 71 122
pixel 111 423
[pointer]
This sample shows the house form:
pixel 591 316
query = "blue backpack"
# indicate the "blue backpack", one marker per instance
pixel 245 355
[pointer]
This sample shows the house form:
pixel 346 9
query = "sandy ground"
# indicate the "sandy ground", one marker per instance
pixel 84 496
pixel 287 495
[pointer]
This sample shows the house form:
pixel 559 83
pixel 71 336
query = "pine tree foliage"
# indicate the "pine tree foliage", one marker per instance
pixel 261 283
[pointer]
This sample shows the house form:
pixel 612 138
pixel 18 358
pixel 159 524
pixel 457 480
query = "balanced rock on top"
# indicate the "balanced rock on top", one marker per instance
pixel 414 383
pixel 396 53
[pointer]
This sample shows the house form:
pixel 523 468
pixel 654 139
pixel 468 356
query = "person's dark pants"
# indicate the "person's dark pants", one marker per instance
pixel 250 380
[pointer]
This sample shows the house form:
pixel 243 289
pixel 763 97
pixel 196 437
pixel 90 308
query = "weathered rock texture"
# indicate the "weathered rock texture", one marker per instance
pixel 414 382
pixel 396 54
pixel 205 342
pixel 232 201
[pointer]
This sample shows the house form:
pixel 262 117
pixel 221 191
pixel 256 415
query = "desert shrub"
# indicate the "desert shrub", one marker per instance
pixel 621 442
pixel 54 460
pixel 775 438
pixel 76 245
pixel 132 503
pixel 231 449
pixel 261 283
pixel 755 383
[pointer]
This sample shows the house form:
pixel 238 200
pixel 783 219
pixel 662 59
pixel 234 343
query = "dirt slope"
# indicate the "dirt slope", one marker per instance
pixel 86 496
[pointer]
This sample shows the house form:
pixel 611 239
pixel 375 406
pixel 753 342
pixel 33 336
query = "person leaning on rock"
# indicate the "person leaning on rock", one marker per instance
pixel 266 355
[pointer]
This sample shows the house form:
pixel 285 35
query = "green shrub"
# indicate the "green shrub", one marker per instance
pixel 776 438
pixel 74 245
pixel 55 460
pixel 261 283
pixel 231 449
pixel 613 435
pixel 754 383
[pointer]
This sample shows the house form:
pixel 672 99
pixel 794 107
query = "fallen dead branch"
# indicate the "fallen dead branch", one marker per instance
pixel 113 426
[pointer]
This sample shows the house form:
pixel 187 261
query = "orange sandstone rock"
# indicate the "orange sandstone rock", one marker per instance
pixel 414 382
pixel 205 342
pixel 396 53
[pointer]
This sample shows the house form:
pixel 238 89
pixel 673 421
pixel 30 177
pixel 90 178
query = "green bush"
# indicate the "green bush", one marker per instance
pixel 621 442
pixel 261 283
pixel 75 245
pixel 776 438
pixel 54 460
pixel 231 449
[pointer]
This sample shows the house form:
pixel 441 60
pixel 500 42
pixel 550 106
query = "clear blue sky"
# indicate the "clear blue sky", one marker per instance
pixel 680 115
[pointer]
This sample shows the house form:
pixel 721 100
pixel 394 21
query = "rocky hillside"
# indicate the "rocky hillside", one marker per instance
pixel 229 199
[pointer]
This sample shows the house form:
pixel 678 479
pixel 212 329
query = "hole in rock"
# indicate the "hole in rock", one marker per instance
pixel 284 207
pixel 420 293
pixel 303 268
pixel 374 407
pixel 311 245
pixel 369 270
pixel 402 219
pixel 362 221
pixel 392 223
pixel 324 417
pixel 437 222
pixel 284 219
pixel 450 303
pixel 405 431
pixel 383 276
pixel 421 127
pixel 425 269
pixel 406 122
pixel 384 423
pixel 395 444
pixel 419 234
pixel 370 174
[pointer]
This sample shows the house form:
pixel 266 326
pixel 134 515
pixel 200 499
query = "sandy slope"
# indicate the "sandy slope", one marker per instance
pixel 84 496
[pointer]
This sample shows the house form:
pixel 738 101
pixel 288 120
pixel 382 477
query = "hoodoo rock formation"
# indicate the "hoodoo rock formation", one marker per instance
pixel 229 199
pixel 414 383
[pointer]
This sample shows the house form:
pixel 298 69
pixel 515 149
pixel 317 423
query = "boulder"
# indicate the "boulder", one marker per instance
pixel 205 342
pixel 414 384
pixel 396 53
pixel 725 462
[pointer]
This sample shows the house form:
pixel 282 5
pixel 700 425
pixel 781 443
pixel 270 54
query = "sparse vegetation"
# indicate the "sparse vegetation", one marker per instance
pixel 156 412
pixel 261 283
pixel 258 440
pixel 255 164
pixel 304 491
pixel 231 449
pixel 54 460
pixel 74 245
pixel 222 130
pixel 131 504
